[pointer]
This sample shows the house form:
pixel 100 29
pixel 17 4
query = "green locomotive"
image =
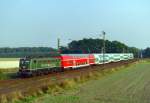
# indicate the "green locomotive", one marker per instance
pixel 38 66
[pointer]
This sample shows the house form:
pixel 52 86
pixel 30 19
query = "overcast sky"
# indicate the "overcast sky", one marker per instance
pixel 41 22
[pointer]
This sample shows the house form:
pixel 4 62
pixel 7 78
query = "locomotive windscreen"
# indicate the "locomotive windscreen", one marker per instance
pixel 24 63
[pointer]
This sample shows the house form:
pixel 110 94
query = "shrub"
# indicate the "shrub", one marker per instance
pixel 3 99
pixel 77 79
pixel 54 89
pixel 14 96
pixel 66 84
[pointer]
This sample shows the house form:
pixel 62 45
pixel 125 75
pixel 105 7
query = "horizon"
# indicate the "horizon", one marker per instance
pixel 66 44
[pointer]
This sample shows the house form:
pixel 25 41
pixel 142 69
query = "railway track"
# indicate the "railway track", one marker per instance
pixel 24 85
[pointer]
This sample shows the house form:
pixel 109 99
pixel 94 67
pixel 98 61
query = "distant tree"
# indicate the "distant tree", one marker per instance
pixel 95 46
pixel 146 53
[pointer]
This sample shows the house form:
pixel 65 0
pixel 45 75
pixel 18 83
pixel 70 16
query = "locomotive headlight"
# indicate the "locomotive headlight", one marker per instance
pixel 23 67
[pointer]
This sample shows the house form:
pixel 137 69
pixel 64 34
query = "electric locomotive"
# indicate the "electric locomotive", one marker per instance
pixel 38 66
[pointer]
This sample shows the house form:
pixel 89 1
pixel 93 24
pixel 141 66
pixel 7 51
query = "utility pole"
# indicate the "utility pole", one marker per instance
pixel 58 45
pixel 141 56
pixel 123 50
pixel 104 48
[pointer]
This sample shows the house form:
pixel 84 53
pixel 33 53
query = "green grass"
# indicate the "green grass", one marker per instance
pixel 130 85
pixel 9 63
pixel 4 76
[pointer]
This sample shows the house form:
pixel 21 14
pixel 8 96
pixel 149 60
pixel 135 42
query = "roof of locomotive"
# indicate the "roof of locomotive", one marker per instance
pixel 29 58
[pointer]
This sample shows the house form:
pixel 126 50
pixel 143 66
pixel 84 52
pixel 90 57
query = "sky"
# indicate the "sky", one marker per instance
pixel 28 23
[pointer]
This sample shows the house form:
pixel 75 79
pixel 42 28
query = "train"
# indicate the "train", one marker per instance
pixel 33 66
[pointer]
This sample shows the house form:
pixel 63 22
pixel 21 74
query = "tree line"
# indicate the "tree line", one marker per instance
pixel 96 46
pixel 19 52
pixel 146 52
pixel 86 45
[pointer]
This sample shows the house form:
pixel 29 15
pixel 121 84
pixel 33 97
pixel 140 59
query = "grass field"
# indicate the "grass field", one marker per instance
pixel 8 67
pixel 9 59
pixel 10 63
pixel 130 85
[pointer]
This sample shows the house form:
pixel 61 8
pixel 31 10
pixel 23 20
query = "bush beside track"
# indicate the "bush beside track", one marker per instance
pixel 23 87
pixel 8 73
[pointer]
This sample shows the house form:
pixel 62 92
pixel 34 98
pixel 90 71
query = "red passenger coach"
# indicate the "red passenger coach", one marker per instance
pixel 91 59
pixel 77 60
pixel 67 61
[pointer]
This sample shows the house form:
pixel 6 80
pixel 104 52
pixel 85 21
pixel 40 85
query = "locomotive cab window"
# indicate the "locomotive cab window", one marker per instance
pixel 24 63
